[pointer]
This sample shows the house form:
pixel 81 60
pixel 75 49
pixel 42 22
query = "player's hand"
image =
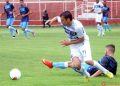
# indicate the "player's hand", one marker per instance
pixel 65 42
pixel 23 15
pixel 99 12
pixel 16 15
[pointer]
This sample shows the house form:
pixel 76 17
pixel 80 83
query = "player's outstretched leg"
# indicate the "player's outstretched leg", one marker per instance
pixel 108 27
pixel 31 31
pixel 26 34
pixel 63 65
pixel 48 63
pixel 11 31
pixel 97 65
pixel 105 27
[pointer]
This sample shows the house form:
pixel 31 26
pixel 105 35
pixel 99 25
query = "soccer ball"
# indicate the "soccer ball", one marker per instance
pixel 15 74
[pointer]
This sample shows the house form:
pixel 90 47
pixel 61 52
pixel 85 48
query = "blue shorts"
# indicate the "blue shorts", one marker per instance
pixel 85 66
pixel 24 25
pixel 10 21
pixel 105 19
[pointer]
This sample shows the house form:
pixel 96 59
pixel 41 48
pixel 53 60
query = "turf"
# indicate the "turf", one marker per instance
pixel 27 55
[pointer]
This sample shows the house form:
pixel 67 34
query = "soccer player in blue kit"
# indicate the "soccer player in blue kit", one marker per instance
pixel 24 12
pixel 9 10
pixel 106 11
pixel 107 61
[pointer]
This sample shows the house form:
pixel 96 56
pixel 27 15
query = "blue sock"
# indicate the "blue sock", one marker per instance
pixel 61 65
pixel 82 71
pixel 108 26
pixel 105 27
pixel 13 28
pixel 26 34
pixel 11 31
pixel 28 30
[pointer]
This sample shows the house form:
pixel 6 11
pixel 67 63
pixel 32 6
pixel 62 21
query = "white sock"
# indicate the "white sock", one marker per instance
pixel 97 65
pixel 98 27
pixel 102 31
pixel 84 72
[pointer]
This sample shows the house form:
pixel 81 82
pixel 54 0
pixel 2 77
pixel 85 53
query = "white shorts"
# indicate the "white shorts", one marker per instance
pixel 98 17
pixel 83 51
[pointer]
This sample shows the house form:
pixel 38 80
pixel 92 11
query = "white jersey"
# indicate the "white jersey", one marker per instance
pixel 75 31
pixel 97 7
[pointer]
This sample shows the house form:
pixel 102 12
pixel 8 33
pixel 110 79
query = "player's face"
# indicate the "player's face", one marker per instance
pixel 65 22
pixel 6 0
pixel 21 2
pixel 104 3
pixel 97 1
pixel 106 51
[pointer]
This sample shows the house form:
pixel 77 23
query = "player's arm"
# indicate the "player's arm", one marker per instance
pixel 108 11
pixel 14 11
pixel 29 12
pixel 3 12
pixel 91 10
pixel 75 41
pixel 26 14
pixel 97 73
pixel 54 19
pixel 80 37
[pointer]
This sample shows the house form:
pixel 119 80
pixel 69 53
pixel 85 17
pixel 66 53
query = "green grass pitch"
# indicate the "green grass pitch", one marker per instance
pixel 27 55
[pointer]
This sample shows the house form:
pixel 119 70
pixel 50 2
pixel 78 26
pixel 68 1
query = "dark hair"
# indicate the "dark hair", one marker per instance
pixel 66 15
pixel 112 47
pixel 21 0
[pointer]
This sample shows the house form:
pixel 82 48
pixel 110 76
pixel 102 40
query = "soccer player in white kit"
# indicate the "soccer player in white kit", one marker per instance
pixel 97 8
pixel 79 44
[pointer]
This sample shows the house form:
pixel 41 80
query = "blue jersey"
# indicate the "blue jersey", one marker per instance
pixel 8 7
pixel 105 10
pixel 24 10
pixel 107 62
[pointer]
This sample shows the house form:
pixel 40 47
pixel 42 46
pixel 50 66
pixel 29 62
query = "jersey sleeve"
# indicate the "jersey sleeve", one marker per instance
pixel 93 7
pixel 80 32
pixel 12 6
pixel 27 9
pixel 58 19
pixel 101 4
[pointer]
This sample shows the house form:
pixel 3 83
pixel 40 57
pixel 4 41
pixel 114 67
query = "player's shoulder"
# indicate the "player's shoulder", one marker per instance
pixel 10 4
pixel 109 58
pixel 77 23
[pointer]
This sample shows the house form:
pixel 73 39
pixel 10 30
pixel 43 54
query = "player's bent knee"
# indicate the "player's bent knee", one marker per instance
pixel 90 62
pixel 76 63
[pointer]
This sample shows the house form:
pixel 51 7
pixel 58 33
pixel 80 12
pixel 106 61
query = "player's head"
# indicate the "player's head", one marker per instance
pixel 21 2
pixel 97 1
pixel 7 1
pixel 66 18
pixel 110 49
pixel 104 3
